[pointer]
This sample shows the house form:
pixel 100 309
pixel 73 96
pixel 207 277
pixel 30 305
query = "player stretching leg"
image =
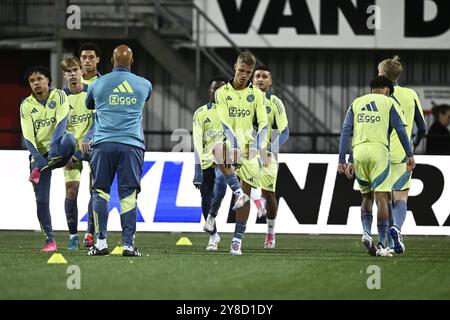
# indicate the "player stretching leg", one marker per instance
pixel 240 106
pixel 43 117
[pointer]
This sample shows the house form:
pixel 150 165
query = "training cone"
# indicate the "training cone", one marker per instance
pixel 57 258
pixel 184 241
pixel 117 250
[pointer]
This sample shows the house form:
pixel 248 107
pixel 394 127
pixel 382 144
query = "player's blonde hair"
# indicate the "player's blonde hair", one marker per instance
pixel 247 58
pixel 70 62
pixel 391 68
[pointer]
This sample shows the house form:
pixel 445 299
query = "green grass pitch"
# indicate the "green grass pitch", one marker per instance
pixel 301 267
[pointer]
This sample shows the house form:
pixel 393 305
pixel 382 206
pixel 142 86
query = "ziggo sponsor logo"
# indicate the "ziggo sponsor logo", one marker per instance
pixel 76 119
pixel 365 118
pixel 115 99
pixel 41 123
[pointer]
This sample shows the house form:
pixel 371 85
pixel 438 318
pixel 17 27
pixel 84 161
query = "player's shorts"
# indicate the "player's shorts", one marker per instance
pixel 372 167
pixel 400 177
pixel 73 174
pixel 250 171
pixel 268 178
pixel 109 158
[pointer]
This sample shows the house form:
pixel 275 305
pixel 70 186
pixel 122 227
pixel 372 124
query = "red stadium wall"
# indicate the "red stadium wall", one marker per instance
pixel 13 89
pixel 12 95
